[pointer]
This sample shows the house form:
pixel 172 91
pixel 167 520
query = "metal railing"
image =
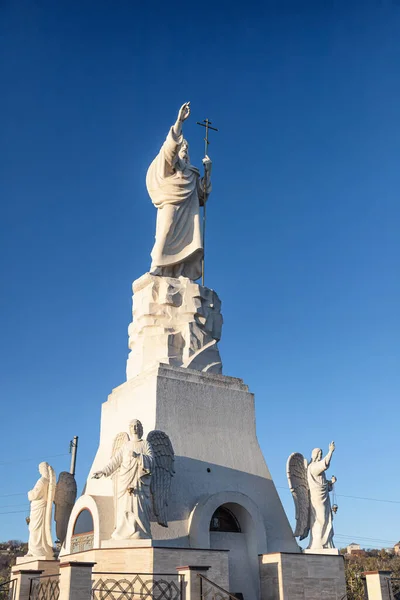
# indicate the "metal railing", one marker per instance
pixel 209 590
pixel 8 589
pixel 393 584
pixel 45 587
pixel 137 586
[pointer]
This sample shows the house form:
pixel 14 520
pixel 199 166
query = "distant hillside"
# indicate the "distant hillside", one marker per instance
pixel 8 555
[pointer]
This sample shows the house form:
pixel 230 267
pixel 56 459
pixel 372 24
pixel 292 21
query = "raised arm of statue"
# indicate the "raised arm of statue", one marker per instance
pixel 328 457
pixel 184 113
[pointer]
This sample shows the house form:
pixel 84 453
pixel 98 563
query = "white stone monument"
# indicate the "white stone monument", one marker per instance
pixel 198 490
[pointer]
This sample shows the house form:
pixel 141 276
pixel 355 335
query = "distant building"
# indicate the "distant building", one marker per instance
pixel 396 549
pixel 352 548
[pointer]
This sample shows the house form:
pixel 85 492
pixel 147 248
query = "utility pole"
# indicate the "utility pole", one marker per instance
pixel 73 450
pixel 207 124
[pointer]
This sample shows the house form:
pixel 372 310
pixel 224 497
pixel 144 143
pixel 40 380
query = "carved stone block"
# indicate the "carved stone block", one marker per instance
pixel 175 322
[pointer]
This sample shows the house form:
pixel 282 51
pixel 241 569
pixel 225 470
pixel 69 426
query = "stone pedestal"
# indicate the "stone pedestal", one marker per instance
pixel 218 463
pixel 378 585
pixel 211 423
pixel 286 576
pixel 29 567
pixel 23 579
pixel 76 580
pixel 192 583
pixel 175 322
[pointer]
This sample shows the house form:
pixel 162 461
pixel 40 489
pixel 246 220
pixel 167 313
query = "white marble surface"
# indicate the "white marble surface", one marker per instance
pixel 175 322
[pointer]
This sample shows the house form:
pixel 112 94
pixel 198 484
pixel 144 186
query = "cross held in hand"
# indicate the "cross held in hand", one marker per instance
pixel 207 124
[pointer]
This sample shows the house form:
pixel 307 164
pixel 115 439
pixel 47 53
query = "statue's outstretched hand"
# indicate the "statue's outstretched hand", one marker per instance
pixel 184 112
pixel 333 479
pixel 332 447
pixel 97 475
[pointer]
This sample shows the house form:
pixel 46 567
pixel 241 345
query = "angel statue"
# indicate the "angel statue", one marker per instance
pixel 310 490
pixel 64 500
pixel 141 472
pixel 41 497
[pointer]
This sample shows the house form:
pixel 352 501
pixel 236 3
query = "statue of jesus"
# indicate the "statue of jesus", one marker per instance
pixel 177 191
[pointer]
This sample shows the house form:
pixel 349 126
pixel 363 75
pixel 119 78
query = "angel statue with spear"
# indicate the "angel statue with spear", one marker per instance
pixel 141 471
pixel 310 490
pixel 177 191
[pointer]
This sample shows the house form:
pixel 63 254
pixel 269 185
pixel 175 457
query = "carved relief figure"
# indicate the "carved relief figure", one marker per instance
pixel 310 490
pixel 41 498
pixel 177 191
pixel 141 471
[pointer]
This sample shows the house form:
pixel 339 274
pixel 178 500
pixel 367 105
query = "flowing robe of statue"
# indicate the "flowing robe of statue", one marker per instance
pixel 132 489
pixel 321 526
pixel 176 189
pixel 38 497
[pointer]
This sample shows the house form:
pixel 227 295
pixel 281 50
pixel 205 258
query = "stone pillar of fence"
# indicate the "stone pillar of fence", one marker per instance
pixel 378 584
pixel 192 581
pixel 76 580
pixel 23 582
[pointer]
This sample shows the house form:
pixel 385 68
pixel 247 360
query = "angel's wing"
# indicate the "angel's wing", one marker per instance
pixel 119 440
pixel 49 504
pixel 64 500
pixel 296 470
pixel 162 475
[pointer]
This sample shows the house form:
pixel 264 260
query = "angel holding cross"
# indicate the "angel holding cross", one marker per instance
pixel 177 191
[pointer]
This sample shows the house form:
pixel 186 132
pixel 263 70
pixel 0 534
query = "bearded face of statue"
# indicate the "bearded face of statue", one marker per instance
pixel 184 152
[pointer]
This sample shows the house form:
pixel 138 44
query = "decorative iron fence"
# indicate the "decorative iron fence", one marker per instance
pixel 45 587
pixel 137 586
pixel 394 587
pixel 211 591
pixel 8 589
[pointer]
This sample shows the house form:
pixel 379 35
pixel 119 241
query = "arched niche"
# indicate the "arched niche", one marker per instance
pixel 84 515
pixel 224 520
pixel 82 532
pixel 244 510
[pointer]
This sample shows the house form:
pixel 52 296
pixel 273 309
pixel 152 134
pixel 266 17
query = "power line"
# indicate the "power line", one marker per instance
pixel 370 499
pixel 8 495
pixel 353 497
pixel 12 512
pixel 363 538
pixel 14 505
pixel 11 462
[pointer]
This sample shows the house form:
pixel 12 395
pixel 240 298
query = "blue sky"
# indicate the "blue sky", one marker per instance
pixel 302 238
